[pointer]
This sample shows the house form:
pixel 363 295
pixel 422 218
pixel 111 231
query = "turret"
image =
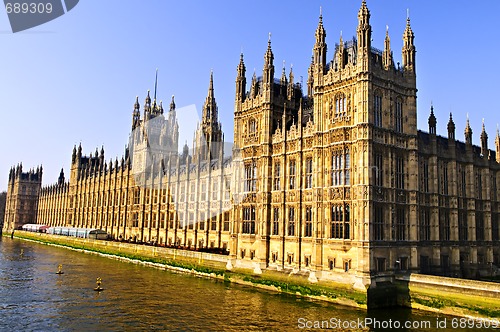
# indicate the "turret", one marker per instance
pixel 364 34
pixel 172 104
pixel 136 115
pixel 241 80
pixel 61 179
pixel 283 81
pixel 73 156
pixel 484 142
pixel 147 107
pixel 451 129
pixel 268 70
pixel 340 53
pixel 432 123
pixel 408 51
pixel 320 47
pixel 468 133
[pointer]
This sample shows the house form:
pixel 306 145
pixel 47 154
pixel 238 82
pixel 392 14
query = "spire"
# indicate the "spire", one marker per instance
pixel 451 128
pixel 310 78
pixel 468 132
pixel 283 80
pixel 211 85
pixel 432 122
pixel 241 80
pixel 319 49
pixel 268 71
pixel 484 142
pixel 291 90
pixel 408 51
pixel 340 53
pixel 156 84
pixel 210 107
pixel 387 55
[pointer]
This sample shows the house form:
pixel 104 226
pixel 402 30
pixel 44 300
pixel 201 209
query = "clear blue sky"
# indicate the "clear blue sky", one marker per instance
pixel 75 79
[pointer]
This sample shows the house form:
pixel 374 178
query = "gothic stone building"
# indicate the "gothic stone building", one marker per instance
pixel 338 184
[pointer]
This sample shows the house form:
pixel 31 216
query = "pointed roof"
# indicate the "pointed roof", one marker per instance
pixel 451 124
pixel 432 118
pixel 320 30
pixel 269 56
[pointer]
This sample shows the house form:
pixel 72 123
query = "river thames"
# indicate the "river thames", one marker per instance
pixel 140 298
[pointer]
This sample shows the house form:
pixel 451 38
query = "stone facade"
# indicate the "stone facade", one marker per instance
pixel 338 184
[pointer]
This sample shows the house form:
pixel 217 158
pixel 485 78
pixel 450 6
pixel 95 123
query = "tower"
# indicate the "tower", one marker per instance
pixel 22 197
pixel 208 136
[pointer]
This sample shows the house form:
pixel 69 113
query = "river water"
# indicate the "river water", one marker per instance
pixel 139 298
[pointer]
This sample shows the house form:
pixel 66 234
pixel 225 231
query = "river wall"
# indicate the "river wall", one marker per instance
pixel 453 296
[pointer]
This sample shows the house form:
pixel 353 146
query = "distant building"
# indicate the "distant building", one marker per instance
pixel 338 183
pixel 3 198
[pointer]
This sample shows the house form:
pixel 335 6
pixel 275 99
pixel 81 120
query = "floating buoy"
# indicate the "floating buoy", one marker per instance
pixel 59 269
pixel 98 282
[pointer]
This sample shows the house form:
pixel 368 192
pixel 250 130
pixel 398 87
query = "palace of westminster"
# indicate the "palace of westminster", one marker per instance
pixel 338 182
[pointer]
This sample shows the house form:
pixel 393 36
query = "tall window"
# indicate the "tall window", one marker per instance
pixel 377 107
pixel 291 221
pixel 137 196
pixel 479 226
pixel 479 185
pixel 226 221
pixel 252 126
pixel 291 174
pixel 309 172
pixel 308 225
pixel 340 105
pixel 340 218
pixel 215 189
pixel 277 176
pixel 399 116
pixel 248 220
pixel 444 225
pixel 425 224
pixel 340 168
pixel 347 169
pixel 251 177
pixel 495 236
pixel 425 175
pixel 203 191
pixel 443 179
pixel 276 221
pixel 462 225
pixel 461 180
pixel 378 169
pixel 378 224
pixel 400 175
pixel 401 224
